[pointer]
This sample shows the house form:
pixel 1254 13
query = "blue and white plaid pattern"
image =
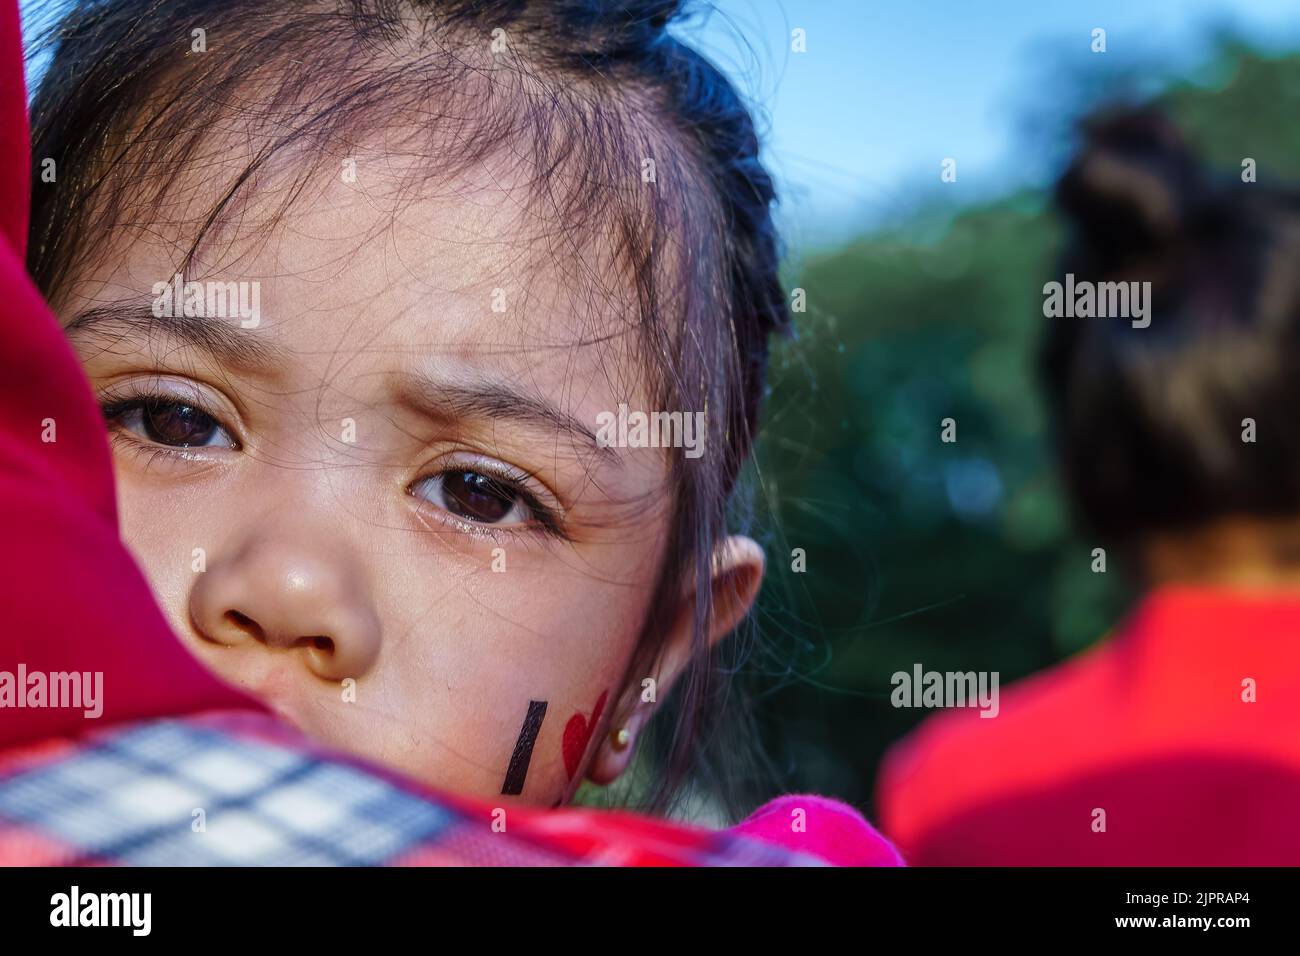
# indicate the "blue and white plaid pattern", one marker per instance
pixel 261 804
pixel 239 790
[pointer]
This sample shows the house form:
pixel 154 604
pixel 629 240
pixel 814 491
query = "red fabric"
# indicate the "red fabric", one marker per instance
pixel 1150 726
pixel 15 147
pixel 74 599
pixel 78 803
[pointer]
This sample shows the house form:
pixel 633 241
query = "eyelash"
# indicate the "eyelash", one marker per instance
pixel 541 518
pixel 117 407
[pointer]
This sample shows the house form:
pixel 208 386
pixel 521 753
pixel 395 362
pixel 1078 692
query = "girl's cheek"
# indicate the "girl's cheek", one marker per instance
pixel 559 755
pixel 533 724
pixel 523 676
pixel 531 748
pixel 169 560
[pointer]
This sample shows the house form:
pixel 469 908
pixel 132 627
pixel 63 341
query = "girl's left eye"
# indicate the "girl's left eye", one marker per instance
pixel 475 496
pixel 169 422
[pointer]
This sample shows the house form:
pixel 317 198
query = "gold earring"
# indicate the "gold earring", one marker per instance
pixel 621 738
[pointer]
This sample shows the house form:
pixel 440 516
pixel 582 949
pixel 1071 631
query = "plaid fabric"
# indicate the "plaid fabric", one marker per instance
pixel 241 790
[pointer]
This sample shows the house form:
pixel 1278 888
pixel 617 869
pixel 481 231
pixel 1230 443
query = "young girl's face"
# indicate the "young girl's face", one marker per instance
pixel 378 503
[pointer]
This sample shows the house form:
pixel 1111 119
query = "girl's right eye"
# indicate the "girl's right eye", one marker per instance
pixel 170 423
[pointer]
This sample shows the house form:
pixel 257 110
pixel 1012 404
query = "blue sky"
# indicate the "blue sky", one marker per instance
pixel 858 125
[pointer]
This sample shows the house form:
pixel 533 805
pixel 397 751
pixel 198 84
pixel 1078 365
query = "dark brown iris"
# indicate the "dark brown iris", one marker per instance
pixel 476 496
pixel 170 423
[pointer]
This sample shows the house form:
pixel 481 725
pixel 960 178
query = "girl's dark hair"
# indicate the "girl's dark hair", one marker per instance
pixel 1150 421
pixel 578 94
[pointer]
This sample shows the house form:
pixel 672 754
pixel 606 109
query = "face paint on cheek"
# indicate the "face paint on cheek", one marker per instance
pixel 518 769
pixel 577 734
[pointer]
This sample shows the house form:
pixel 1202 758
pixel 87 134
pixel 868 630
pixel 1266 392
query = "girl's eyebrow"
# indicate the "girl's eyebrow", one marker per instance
pixel 225 343
pixel 493 401
pixel 237 347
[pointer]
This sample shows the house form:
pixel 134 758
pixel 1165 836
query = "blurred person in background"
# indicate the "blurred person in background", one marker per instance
pixel 1175 741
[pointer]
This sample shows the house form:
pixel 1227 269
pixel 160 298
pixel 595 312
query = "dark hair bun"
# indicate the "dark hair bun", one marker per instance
pixel 1131 190
pixel 1188 415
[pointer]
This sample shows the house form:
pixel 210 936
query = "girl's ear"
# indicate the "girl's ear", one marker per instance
pixel 737 574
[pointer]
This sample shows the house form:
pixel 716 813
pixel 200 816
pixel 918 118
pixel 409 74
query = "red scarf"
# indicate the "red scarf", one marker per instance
pixel 72 597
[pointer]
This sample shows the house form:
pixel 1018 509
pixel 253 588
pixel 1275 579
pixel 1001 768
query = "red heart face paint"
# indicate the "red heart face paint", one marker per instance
pixel 577 734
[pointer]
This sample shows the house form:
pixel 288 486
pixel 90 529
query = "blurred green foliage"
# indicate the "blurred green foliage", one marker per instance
pixel 956 556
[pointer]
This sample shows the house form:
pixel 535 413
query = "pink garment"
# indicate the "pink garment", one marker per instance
pixel 830 829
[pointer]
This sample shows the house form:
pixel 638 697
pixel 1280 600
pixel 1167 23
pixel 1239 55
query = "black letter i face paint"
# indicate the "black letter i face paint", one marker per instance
pixel 518 769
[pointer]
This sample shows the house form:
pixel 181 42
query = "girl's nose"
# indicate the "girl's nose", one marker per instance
pixel 281 596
